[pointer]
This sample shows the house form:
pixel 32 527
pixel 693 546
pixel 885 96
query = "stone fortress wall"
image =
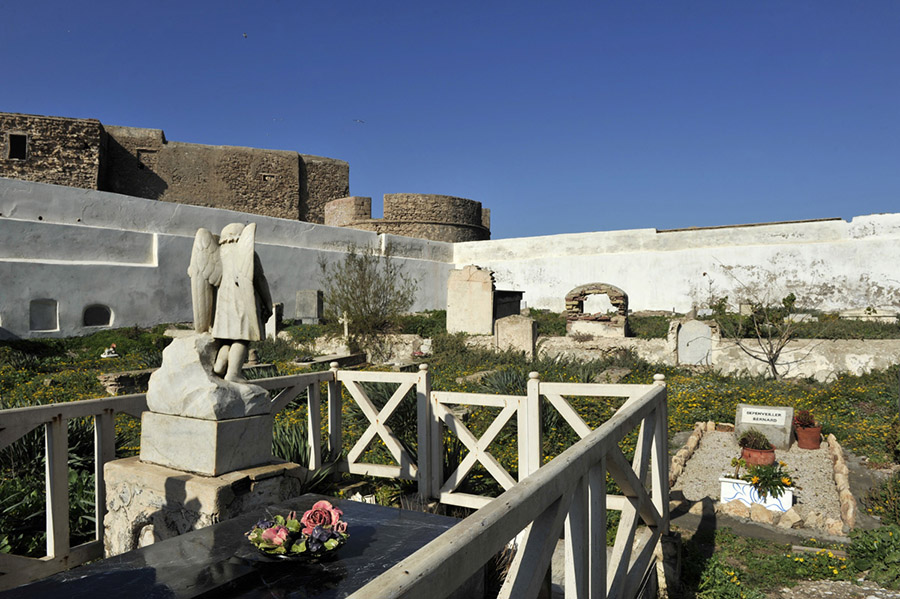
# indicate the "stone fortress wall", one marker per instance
pixel 51 149
pixel 427 216
pixel 142 163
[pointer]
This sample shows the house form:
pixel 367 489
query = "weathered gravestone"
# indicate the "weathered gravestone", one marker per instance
pixel 694 343
pixel 310 303
pixel 470 301
pixel 775 422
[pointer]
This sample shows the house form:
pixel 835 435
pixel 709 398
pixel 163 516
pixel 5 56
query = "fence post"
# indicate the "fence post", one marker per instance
pixel 529 424
pixel 335 442
pixel 428 460
pixel 660 455
pixel 56 448
pixel 314 425
pixel 104 451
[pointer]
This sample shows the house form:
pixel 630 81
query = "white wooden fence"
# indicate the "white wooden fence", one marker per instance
pixel 569 491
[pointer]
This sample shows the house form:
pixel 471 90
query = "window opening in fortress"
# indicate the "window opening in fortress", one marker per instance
pixel 268 177
pixel 43 315
pixel 97 315
pixel 18 146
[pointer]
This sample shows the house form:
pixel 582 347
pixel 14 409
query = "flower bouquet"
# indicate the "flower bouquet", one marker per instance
pixel 319 531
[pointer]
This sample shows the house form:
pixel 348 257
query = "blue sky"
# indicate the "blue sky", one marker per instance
pixel 560 117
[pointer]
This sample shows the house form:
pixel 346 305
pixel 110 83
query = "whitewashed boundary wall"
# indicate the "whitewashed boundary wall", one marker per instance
pixel 829 264
pixel 70 248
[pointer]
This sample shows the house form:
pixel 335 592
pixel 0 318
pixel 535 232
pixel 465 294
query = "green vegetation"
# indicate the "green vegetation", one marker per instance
pixel 371 291
pixel 549 324
pixel 859 410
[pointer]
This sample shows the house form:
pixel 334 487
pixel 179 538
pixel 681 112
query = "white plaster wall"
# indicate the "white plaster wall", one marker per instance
pixel 830 265
pixel 82 247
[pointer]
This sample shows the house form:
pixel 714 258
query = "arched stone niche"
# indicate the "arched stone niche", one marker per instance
pixel 97 315
pixel 575 302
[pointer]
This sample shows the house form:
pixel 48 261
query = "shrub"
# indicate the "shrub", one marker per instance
pixel 549 324
pixel 649 327
pixel 883 500
pixel 427 324
pixel 877 551
pixel 372 291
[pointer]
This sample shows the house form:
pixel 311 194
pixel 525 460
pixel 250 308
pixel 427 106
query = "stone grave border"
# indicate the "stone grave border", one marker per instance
pixel 790 519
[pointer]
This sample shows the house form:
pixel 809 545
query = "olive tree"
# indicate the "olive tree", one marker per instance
pixel 371 292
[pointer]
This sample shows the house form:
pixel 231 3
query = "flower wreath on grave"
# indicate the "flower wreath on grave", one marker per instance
pixel 320 530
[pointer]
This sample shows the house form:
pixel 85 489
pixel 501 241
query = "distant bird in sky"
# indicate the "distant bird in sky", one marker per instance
pixel 245 36
pixel 361 122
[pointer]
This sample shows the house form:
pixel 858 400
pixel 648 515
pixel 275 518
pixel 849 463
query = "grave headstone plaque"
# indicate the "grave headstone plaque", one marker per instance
pixel 694 343
pixel 774 422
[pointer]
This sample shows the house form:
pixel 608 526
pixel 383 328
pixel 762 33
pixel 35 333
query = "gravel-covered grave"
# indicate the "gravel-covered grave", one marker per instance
pixel 822 499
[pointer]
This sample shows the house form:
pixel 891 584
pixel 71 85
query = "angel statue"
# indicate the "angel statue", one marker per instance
pixel 230 294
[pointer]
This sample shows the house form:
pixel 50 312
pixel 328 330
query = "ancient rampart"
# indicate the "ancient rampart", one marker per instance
pixel 427 216
pixel 142 163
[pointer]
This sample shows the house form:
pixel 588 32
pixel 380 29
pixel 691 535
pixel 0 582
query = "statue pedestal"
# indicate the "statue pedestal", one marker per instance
pixel 146 503
pixel 206 447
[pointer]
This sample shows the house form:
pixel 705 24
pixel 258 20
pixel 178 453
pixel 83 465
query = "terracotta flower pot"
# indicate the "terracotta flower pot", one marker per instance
pixel 809 437
pixel 758 457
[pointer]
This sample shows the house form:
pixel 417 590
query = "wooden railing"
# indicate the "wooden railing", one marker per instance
pixel 54 418
pixel 570 490
pixel 567 494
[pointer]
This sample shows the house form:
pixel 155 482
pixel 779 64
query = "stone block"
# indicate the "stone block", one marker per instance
pixel 694 343
pixel 759 513
pixel 146 503
pixel 604 329
pixel 185 385
pixel 692 442
pixel 208 447
pixel 470 301
pixel 834 526
pixel 775 422
pixel 309 307
pixel 735 508
pixel 790 519
pixel 517 333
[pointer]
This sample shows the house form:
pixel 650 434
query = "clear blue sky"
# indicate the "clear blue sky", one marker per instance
pixel 559 116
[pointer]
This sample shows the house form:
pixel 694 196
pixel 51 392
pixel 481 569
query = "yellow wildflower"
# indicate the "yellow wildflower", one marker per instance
pixel 786 481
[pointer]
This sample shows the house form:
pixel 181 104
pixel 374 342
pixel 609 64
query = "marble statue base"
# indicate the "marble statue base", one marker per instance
pixel 206 447
pixel 146 503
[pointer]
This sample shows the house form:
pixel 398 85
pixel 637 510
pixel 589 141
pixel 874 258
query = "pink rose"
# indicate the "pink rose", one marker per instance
pixel 275 535
pixel 321 514
pixel 340 526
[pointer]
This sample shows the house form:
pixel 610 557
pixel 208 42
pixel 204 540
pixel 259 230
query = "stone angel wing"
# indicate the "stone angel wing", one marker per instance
pixel 249 270
pixel 206 274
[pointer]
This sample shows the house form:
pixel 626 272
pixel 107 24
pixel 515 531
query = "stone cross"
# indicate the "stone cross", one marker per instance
pixel 345 320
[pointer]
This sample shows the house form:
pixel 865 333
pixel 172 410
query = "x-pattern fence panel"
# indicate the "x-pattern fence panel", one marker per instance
pixel 568 493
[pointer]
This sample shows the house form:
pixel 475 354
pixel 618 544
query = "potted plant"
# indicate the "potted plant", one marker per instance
pixel 809 436
pixel 770 485
pixel 755 448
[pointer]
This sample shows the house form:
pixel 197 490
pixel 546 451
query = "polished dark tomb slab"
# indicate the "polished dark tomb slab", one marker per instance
pixel 218 561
